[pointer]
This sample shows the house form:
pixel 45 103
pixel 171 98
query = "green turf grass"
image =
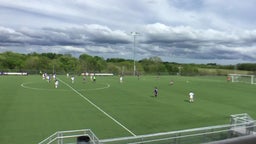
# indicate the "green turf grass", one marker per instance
pixel 31 113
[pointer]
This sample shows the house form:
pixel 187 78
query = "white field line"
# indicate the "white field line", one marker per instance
pixel 24 85
pixel 98 107
pixel 100 88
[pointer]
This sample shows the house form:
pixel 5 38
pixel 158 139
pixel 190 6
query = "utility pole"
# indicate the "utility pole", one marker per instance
pixel 134 34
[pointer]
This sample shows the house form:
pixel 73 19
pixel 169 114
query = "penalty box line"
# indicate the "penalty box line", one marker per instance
pixel 98 107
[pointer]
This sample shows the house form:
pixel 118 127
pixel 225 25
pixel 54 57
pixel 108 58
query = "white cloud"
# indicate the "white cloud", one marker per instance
pixel 71 48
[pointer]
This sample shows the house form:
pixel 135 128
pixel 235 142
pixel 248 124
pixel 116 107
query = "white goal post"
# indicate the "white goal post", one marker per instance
pixel 242 78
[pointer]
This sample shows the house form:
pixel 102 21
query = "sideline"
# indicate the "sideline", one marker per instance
pixel 97 107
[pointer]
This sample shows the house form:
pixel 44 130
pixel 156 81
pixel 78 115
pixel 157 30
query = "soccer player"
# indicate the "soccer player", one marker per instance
pixel 48 78
pixel 91 77
pixel 94 78
pixel 54 76
pixel 171 82
pixel 121 79
pixel 84 78
pixel 56 83
pixel 155 92
pixel 43 76
pixel 138 76
pixel 228 78
pixel 72 79
pixel 191 96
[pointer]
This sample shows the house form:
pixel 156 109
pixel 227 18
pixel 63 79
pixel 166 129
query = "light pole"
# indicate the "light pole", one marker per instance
pixel 134 34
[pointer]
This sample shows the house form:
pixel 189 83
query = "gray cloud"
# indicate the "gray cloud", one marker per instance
pixel 155 40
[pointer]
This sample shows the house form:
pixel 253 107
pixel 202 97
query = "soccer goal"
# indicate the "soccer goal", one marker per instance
pixel 242 78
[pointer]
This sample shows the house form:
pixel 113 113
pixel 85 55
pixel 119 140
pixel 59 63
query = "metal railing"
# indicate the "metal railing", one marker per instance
pixel 70 137
pixel 241 125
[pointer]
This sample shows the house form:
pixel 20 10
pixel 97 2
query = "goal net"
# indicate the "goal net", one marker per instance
pixel 242 78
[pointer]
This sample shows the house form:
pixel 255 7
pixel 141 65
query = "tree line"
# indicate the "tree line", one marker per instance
pixel 35 63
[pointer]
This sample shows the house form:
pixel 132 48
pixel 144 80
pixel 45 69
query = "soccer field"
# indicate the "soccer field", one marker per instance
pixel 31 109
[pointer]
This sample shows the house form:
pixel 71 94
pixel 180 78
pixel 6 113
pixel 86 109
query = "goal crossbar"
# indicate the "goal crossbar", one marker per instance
pixel 242 78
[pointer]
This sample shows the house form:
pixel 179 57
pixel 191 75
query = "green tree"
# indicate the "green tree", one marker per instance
pixel 32 62
pixel 100 64
pixel 113 68
pixel 86 64
pixel 153 65
pixel 172 68
pixel 13 60
pixel 189 69
pixel 68 63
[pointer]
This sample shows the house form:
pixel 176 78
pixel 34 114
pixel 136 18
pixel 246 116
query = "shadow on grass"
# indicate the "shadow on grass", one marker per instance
pixel 187 101
pixel 153 96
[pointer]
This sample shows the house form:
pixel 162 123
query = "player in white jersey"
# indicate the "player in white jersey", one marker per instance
pixel 56 83
pixel 121 79
pixel 48 78
pixel 191 96
pixel 54 76
pixel 43 76
pixel 72 79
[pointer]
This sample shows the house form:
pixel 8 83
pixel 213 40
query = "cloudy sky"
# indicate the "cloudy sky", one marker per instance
pixel 183 31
